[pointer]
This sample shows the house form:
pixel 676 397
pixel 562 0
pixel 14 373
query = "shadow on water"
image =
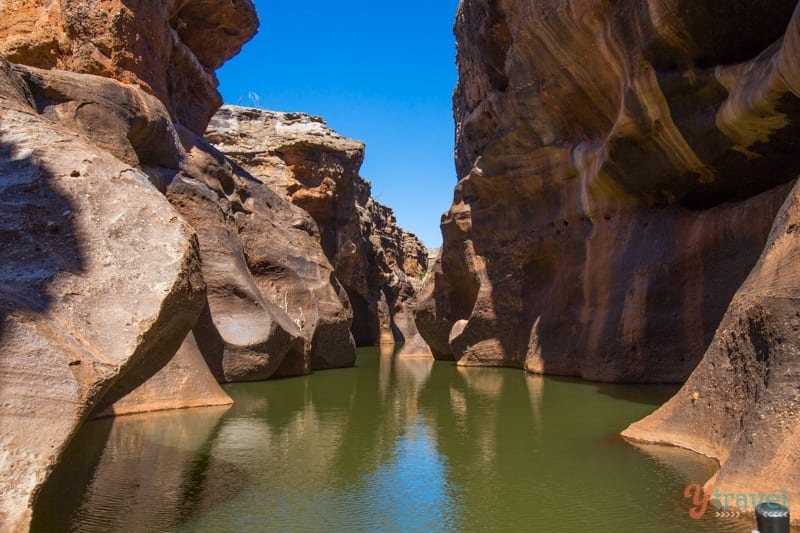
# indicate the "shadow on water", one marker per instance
pixel 149 472
pixel 62 494
pixel 647 394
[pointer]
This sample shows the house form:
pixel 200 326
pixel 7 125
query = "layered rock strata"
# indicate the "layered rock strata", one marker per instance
pixel 619 171
pixel 378 264
pixel 170 49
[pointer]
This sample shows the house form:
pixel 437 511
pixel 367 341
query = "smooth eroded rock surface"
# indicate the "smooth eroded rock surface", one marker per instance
pixel 99 283
pixel 742 403
pixel 185 381
pixel 619 173
pixel 274 307
pixel 378 264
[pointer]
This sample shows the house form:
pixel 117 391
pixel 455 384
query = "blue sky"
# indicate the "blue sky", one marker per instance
pixel 381 72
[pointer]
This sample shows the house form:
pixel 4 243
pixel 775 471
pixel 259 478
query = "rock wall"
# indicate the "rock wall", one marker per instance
pixel 137 263
pixel 274 307
pixel 378 264
pixel 170 49
pixel 741 405
pixel 620 167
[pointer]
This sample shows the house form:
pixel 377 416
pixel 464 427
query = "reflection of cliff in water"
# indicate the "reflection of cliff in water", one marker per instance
pixel 152 471
pixel 393 444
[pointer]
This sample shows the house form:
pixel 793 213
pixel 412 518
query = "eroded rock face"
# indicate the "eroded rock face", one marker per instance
pixel 274 307
pixel 619 173
pixel 316 169
pixel 99 283
pixel 184 382
pixel 742 403
pixel 170 49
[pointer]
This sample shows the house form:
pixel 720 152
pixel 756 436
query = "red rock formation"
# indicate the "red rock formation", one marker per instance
pixel 621 165
pixel 619 173
pixel 741 405
pixel 99 277
pixel 299 156
pixel 170 49
pixel 274 307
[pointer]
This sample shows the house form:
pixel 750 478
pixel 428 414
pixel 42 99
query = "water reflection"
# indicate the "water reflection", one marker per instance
pixel 151 467
pixel 394 444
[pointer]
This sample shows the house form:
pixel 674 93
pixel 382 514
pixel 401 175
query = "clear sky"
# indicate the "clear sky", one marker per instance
pixel 381 72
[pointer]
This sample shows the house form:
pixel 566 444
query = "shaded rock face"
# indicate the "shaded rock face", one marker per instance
pixel 377 263
pixel 183 382
pixel 620 167
pixel 99 277
pixel 742 403
pixel 170 49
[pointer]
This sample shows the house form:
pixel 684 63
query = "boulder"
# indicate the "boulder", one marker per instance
pixel 99 284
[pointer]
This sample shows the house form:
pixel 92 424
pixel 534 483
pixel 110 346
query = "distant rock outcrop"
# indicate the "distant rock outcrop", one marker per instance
pixel 378 263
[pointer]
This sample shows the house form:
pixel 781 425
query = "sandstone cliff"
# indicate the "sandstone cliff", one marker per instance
pixel 741 405
pixel 620 166
pixel 170 49
pixel 378 264
pixel 100 276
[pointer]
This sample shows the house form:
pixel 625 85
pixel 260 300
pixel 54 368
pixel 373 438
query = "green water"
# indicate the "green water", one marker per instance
pixel 391 445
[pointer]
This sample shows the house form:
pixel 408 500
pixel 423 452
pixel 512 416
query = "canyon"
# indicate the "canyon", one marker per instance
pixel 626 211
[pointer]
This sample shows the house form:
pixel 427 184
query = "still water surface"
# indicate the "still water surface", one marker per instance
pixel 391 445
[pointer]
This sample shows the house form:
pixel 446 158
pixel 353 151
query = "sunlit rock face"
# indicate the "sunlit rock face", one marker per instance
pixel 377 263
pixel 620 167
pixel 169 48
pixel 274 307
pixel 99 277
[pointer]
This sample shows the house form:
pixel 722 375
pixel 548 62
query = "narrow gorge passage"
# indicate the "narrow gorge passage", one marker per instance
pixel 512 254
pixel 394 444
